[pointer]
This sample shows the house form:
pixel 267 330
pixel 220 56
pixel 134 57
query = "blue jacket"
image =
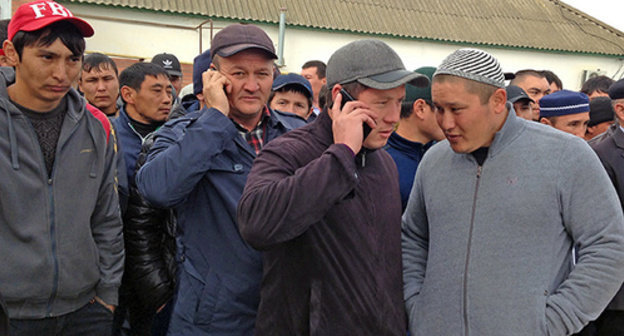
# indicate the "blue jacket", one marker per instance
pixel 130 142
pixel 199 164
pixel 407 155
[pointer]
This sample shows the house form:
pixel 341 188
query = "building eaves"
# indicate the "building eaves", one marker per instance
pixel 548 25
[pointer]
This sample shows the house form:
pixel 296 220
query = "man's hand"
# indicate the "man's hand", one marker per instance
pixel 347 124
pixel 107 306
pixel 215 87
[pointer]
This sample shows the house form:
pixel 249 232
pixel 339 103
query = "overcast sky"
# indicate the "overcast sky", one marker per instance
pixel 607 11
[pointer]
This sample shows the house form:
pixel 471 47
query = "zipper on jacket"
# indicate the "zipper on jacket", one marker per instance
pixel 468 248
pixel 139 134
pixel 53 241
pixel 52 222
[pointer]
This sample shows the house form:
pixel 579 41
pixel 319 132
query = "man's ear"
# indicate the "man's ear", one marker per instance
pixel 499 100
pixel 418 109
pixel 127 94
pixel 10 53
pixel 334 91
pixel 619 110
pixel 545 121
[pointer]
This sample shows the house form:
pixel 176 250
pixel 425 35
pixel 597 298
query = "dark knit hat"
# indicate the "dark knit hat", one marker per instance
pixel 600 110
pixel 616 90
pixel 201 63
pixel 563 102
pixel 413 93
pixel 473 64
pixel 293 79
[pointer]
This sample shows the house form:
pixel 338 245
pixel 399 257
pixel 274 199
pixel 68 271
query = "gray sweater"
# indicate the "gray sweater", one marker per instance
pixel 60 237
pixel 488 250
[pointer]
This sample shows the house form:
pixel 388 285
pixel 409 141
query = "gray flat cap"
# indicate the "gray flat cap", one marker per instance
pixel 372 63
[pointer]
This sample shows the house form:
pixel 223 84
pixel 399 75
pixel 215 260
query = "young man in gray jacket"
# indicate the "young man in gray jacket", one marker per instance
pixel 495 212
pixel 60 228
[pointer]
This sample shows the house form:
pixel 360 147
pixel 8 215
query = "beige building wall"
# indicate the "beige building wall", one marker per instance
pixel 137 34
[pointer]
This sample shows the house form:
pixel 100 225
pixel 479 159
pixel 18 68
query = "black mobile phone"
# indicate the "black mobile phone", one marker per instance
pixel 347 97
pixel 214 68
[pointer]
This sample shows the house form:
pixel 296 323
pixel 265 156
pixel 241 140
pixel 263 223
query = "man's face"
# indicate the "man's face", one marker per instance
pixel 311 75
pixel 524 110
pixel 593 131
pixel 292 102
pixel 101 88
pixel 152 102
pixel 250 75
pixel 176 82
pixel 535 87
pixel 467 123
pixel 429 125
pixel 45 74
pixel 386 107
pixel 575 124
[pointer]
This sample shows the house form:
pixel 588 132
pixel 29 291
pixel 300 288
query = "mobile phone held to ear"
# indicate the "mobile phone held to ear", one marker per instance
pixel 347 97
pixel 213 68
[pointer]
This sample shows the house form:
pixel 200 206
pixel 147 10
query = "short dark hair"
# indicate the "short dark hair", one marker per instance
pixel 598 83
pixel 4 28
pixel 134 75
pixel 551 77
pixel 407 107
pixel 353 88
pixel 320 67
pixel 322 96
pixel 44 37
pixel 292 88
pixel 99 61
pixel 524 73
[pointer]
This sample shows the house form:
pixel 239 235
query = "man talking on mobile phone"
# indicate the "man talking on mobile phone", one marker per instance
pixel 323 202
pixel 198 165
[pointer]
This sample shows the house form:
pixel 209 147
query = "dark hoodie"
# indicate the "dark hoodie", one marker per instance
pixel 60 237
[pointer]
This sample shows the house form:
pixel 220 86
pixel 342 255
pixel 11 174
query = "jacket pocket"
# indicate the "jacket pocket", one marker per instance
pixel 197 297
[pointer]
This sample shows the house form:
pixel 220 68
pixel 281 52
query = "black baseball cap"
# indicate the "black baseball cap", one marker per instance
pixel 515 93
pixel 169 62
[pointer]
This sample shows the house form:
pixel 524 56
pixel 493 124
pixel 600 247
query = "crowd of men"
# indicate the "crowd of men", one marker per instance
pixel 354 198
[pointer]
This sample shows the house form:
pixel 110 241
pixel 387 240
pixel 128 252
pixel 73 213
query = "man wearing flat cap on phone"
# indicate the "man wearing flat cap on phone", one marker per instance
pixel 199 165
pixel 323 203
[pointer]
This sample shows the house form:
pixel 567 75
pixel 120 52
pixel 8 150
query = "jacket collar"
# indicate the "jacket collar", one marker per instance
pixel 512 128
pixel 618 137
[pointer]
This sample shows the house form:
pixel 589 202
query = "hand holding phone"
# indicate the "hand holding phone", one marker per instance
pixel 347 97
pixel 215 90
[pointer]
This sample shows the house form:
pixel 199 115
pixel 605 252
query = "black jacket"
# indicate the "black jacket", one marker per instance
pixel 4 318
pixel 610 150
pixel 149 234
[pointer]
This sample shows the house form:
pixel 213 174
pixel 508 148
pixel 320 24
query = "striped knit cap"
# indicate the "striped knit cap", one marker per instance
pixel 473 64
